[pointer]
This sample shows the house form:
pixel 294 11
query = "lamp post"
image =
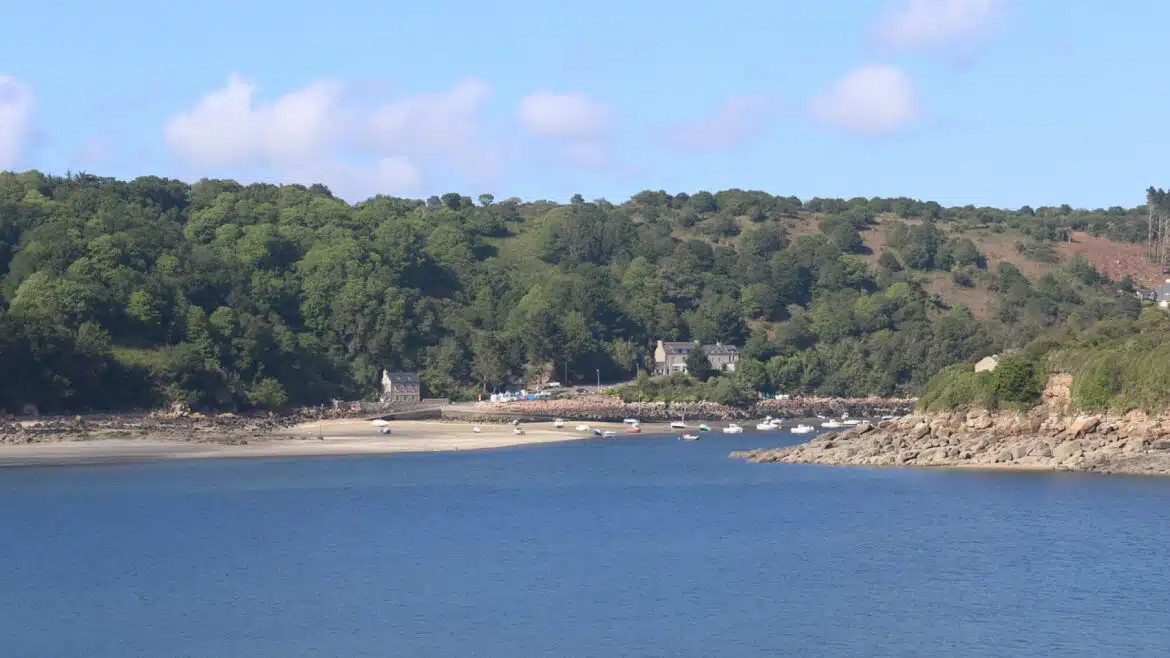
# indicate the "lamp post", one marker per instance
pixel 598 380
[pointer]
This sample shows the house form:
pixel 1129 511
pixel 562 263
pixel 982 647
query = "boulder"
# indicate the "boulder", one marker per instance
pixel 1067 450
pixel 920 430
pixel 1083 425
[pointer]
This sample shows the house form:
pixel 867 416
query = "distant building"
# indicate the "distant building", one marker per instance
pixel 723 358
pixel 1162 294
pixel 987 363
pixel 671 356
pixel 401 387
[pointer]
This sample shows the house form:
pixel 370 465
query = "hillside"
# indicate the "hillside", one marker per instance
pixel 148 292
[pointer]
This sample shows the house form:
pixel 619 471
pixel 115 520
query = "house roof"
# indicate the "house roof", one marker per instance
pixel 402 377
pixel 677 347
pixel 720 349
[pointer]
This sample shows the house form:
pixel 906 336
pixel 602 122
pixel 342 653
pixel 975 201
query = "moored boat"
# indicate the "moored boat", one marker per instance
pixel 559 423
pixel 609 434
pixel 803 429
pixel 831 424
pixel 690 437
pixel 704 428
pixel 733 429
pixel 634 429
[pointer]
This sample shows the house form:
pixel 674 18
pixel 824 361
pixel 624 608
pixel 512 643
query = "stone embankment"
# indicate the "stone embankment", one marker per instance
pixel 608 408
pixel 1132 443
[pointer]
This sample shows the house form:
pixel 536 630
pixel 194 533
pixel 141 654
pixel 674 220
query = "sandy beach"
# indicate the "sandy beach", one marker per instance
pixel 324 438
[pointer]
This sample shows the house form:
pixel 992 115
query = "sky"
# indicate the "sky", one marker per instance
pixel 986 102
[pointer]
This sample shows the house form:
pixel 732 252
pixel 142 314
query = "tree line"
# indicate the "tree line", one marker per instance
pixel 135 294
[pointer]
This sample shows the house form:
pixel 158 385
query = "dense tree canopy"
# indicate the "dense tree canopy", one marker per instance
pixel 134 294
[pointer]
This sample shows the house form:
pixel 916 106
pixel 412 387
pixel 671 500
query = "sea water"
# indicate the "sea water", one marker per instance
pixel 641 546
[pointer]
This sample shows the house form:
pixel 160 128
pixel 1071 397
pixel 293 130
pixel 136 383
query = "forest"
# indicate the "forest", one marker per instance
pixel 140 294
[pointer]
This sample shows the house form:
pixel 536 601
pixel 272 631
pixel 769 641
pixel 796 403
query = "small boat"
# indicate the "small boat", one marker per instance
pixel 733 429
pixel 803 429
pixel 678 425
pixel 518 431
pixel 852 421
pixel 383 430
pixel 690 437
pixel 583 428
pixel 704 428
pixel 475 429
pixel 765 427
pixel 832 424
pixel 630 421
pixel 379 422
pixel 609 434
pixel 633 429
pixel 596 432
pixel 558 423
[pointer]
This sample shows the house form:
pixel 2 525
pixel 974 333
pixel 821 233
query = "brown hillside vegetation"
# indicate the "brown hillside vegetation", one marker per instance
pixel 1113 259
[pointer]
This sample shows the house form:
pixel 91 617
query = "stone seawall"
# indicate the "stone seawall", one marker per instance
pixel 1132 443
pixel 606 408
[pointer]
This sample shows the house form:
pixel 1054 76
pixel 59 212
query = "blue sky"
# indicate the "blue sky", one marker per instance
pixel 990 102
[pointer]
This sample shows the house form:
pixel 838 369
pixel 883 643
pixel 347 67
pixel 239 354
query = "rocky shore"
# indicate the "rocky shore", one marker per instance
pixel 225 429
pixel 1133 443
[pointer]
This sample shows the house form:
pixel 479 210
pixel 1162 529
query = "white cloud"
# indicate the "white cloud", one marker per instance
pixel 447 125
pixel 730 126
pixel 228 129
pixel 319 133
pixel 16 108
pixel 571 115
pixel 872 100
pixel 577 126
pixel 931 23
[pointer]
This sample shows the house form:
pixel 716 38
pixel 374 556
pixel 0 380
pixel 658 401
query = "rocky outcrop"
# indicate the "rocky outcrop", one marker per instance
pixel 1133 443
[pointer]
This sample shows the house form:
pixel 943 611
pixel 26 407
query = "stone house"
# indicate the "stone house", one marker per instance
pixel 671 356
pixel 401 387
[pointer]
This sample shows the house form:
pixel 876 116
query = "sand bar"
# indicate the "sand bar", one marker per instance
pixel 325 438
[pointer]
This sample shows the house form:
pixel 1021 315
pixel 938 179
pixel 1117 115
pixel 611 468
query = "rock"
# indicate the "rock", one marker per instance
pixel 1004 456
pixel 919 431
pixel 1067 450
pixel 1040 450
pixel 864 428
pixel 1083 425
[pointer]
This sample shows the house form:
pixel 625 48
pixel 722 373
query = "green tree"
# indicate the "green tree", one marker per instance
pixel 698 365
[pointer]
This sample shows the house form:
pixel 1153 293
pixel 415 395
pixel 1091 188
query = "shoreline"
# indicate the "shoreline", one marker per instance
pixel 1039 441
pixel 339 437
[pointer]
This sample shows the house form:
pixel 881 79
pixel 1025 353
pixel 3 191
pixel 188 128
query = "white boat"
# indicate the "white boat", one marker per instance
pixel 609 434
pixel 852 421
pixel 733 429
pixel 630 421
pixel 678 425
pixel 803 429
pixel 765 426
pixel 582 428
pixel 832 424
pixel 518 431
pixel 558 423
pixel 475 429
pixel 690 437
pixel 379 422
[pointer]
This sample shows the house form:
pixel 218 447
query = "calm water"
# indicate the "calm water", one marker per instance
pixel 639 547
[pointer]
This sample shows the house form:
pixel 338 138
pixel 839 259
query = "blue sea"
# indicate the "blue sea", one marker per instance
pixel 643 546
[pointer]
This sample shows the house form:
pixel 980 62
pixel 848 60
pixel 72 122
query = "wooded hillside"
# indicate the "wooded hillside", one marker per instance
pixel 136 294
